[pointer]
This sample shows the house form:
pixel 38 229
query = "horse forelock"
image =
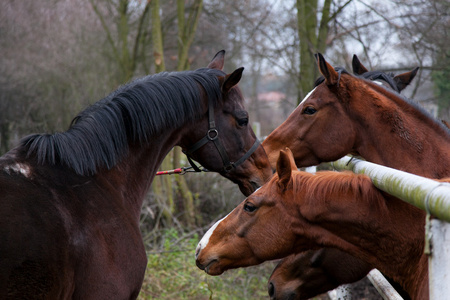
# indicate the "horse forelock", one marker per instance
pixel 99 135
pixel 339 70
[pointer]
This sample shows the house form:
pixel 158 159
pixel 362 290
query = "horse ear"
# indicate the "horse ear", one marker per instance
pixel 358 67
pixel 285 165
pixel 331 76
pixel 218 61
pixel 232 79
pixel 404 79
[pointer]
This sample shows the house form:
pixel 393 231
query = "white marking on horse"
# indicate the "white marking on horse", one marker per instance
pixel 205 239
pixel 18 168
pixel 378 82
pixel 304 99
pixel 307 96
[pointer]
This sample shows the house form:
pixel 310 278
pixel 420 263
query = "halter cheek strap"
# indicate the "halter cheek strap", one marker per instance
pixel 213 136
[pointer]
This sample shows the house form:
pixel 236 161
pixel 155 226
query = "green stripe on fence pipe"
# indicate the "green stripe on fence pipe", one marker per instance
pixel 411 188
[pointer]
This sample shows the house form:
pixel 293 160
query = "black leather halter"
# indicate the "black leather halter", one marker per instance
pixel 213 136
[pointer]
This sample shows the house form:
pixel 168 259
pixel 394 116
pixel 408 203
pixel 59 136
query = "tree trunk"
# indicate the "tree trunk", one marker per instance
pixel 186 34
pixel 313 39
pixel 158 49
pixel 158 56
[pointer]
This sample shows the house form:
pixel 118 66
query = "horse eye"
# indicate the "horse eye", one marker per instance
pixel 243 121
pixel 309 110
pixel 249 207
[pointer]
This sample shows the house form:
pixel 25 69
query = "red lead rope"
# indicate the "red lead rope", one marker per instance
pixel 180 171
pixel 176 171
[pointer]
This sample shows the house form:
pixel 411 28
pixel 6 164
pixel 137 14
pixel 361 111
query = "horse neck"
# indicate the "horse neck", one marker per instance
pixel 394 133
pixel 348 213
pixel 132 177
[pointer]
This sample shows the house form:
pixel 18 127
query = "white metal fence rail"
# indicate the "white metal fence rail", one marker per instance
pixel 426 194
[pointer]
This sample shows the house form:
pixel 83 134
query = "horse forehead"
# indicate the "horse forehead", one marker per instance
pixel 307 96
pixel 234 99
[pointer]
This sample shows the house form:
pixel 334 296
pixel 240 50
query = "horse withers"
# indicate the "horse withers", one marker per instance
pixel 70 202
pixel 327 209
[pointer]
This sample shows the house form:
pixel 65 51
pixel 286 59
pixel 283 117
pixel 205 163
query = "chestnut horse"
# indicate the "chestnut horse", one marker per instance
pixel 70 202
pixel 311 273
pixel 345 114
pixel 297 211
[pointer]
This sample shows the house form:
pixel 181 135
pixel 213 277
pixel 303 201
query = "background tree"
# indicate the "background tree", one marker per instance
pixel 58 56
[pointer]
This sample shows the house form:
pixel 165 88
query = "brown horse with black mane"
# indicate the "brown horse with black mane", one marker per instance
pixel 327 209
pixel 70 202
pixel 311 273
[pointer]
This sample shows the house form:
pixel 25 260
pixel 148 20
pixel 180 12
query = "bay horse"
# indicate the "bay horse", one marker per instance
pixel 70 202
pixel 389 80
pixel 305 275
pixel 297 211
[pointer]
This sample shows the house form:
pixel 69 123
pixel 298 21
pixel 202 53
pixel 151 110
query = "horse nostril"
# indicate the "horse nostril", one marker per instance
pixel 271 290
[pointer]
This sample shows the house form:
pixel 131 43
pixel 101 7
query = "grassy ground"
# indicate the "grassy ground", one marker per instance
pixel 171 270
pixel 172 274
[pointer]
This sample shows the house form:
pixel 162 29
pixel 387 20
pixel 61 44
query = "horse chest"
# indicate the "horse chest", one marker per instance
pixel 111 268
pixel 110 254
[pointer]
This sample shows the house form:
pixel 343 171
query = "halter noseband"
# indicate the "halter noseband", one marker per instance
pixel 213 136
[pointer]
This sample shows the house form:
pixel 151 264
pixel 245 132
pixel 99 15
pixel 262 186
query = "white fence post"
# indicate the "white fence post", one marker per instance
pixel 439 260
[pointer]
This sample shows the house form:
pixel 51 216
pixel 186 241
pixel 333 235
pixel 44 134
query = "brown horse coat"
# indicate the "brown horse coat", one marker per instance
pixel 303 276
pixel 345 114
pixel 328 209
pixel 70 202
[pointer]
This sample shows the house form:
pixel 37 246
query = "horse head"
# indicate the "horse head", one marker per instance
pixel 226 142
pixel 341 115
pixel 245 236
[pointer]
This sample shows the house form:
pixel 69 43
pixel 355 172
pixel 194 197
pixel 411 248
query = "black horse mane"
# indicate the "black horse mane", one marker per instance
pixel 389 78
pixel 371 75
pixel 135 112
pixel 380 75
pixel 340 71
